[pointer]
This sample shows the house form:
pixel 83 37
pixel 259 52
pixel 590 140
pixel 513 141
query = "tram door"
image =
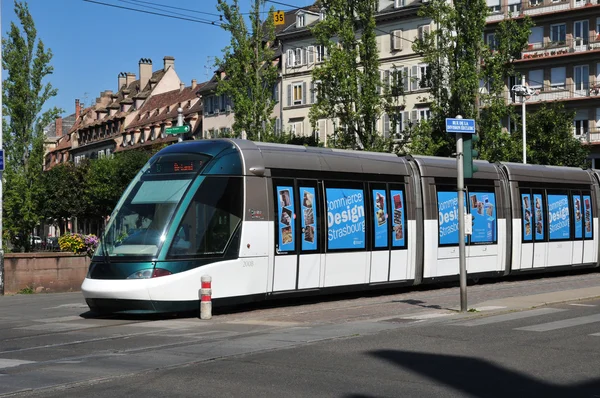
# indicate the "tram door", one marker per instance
pixel 534 242
pixel 297 235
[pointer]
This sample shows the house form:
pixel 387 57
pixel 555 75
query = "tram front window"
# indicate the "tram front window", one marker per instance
pixel 211 220
pixel 139 225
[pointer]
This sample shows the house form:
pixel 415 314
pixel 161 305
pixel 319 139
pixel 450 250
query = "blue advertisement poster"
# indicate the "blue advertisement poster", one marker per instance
pixel 483 212
pixel 309 218
pixel 538 217
pixel 527 217
pixel 558 217
pixel 398 232
pixel 285 210
pixel 448 217
pixel 588 217
pixel 345 218
pixel 380 218
pixel 577 207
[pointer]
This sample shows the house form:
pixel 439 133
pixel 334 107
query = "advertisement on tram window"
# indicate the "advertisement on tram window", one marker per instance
pixel 538 217
pixel 588 217
pixel 527 217
pixel 483 215
pixel 558 217
pixel 398 224
pixel 380 218
pixel 309 218
pixel 577 207
pixel 448 217
pixel 285 212
pixel 345 218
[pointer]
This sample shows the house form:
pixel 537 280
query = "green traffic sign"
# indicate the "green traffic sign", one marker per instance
pixel 178 129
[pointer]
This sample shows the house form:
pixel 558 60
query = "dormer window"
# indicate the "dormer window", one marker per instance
pixel 300 20
pixel 322 14
pixel 398 3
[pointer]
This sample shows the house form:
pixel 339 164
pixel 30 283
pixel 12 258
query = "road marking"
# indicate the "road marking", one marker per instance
pixel 509 317
pixel 11 363
pixel 428 315
pixel 583 305
pixel 565 323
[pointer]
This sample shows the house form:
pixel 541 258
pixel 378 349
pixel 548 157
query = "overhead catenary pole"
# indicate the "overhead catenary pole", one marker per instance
pixel 1 176
pixel 523 99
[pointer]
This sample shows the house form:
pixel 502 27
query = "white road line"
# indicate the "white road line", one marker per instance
pixel 565 323
pixel 509 317
pixel 10 363
pixel 583 305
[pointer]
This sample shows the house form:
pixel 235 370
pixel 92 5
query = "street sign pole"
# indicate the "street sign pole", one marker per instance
pixel 180 122
pixel 460 188
pixel 1 179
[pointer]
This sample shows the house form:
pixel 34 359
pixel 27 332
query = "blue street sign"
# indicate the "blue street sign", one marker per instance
pixel 1 159
pixel 464 126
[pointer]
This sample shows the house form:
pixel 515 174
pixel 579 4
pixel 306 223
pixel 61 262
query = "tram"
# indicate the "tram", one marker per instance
pixel 270 220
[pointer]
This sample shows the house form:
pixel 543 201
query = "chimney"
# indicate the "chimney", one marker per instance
pixel 181 86
pixel 58 126
pixel 122 76
pixel 194 83
pixel 77 109
pixel 169 62
pixel 145 72
pixel 129 78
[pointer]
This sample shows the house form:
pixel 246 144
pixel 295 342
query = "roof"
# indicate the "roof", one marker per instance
pixel 157 105
pixel 67 123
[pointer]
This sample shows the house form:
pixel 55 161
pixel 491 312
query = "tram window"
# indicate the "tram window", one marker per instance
pixel 538 217
pixel 448 217
pixel 211 219
pixel 310 218
pixel 483 214
pixel 559 217
pixel 526 217
pixel 399 218
pixel 577 215
pixel 346 228
pixel 286 226
pixel 588 217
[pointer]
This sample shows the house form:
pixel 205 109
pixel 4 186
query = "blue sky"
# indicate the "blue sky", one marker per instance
pixel 92 43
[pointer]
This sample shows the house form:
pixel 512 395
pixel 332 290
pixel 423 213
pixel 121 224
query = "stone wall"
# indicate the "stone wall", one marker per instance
pixel 44 272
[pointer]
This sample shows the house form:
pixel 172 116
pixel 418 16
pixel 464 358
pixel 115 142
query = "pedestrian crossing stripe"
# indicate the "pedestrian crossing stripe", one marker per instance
pixel 565 323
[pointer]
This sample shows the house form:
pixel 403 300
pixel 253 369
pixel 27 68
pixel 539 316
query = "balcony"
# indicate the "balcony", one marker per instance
pixel 592 136
pixel 549 48
pixel 537 7
pixel 563 92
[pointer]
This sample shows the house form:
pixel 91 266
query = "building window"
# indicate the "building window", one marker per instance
pixel 290 61
pixel 535 3
pixel 424 76
pixel 398 3
pixel 581 127
pixel 493 6
pixel 536 38
pixel 297 127
pixel 298 93
pixel 490 40
pixel 536 78
pixel 299 57
pixel 514 6
pixel 558 33
pixel 558 77
pixel 321 53
pixel 300 20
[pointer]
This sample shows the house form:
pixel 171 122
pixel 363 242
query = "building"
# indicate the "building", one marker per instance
pixel 397 26
pixel 561 61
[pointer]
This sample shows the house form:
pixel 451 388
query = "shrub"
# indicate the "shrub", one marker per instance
pixel 78 243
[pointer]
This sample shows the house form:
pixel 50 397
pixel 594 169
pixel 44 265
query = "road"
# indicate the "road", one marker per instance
pixel 411 343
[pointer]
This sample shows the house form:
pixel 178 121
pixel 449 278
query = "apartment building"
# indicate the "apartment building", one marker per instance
pixel 398 26
pixel 561 61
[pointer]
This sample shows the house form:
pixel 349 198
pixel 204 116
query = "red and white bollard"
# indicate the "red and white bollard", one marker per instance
pixel 206 297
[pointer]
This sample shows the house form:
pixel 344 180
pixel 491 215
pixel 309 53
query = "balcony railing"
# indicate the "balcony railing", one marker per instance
pixel 591 136
pixel 528 7
pixel 559 92
pixel 549 48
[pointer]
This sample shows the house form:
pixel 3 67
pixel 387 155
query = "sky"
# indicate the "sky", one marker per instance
pixel 93 43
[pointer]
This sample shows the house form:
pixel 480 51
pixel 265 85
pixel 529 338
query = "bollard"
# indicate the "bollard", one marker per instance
pixel 205 297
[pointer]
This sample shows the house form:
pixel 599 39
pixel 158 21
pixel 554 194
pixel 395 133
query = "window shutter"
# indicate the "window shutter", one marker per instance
pixel 303 93
pixel 380 82
pixel 290 58
pixel 397 40
pixel 414 115
pixel 386 77
pixel 405 79
pixel 312 92
pixel 386 125
pixel 289 95
pixel 310 54
pixel 414 83
pixel 405 119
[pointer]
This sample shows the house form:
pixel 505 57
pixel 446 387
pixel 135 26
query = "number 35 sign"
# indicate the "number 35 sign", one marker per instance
pixel 279 17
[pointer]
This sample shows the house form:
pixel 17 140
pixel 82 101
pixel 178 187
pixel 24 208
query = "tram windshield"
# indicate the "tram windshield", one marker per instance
pixel 139 224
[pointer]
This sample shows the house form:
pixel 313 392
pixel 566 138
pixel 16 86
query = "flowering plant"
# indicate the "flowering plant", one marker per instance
pixel 79 243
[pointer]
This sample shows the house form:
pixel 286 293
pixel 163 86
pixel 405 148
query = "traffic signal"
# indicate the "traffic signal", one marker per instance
pixel 469 153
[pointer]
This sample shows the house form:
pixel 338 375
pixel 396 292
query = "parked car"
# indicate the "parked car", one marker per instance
pixel 36 241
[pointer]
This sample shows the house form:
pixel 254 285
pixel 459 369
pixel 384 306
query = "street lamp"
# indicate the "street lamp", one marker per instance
pixel 524 92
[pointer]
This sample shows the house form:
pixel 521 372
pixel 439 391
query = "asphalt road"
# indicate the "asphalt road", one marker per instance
pixel 407 344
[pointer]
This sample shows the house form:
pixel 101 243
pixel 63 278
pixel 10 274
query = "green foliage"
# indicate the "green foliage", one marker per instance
pixel 26 290
pixel 24 94
pixel 250 71
pixel 349 76
pixel 550 139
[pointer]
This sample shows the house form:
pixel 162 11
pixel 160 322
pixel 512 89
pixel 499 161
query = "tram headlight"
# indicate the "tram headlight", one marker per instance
pixel 149 273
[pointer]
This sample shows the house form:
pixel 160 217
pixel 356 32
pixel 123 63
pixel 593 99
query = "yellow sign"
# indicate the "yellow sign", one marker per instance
pixel 279 18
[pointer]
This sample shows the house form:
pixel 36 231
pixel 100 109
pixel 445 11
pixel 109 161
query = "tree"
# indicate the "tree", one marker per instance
pixel 24 95
pixel 550 139
pixel 250 73
pixel 348 88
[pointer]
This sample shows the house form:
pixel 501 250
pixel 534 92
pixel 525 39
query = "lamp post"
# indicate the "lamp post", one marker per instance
pixel 523 100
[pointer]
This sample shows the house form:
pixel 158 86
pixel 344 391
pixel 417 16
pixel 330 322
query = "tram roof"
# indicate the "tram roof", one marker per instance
pixel 545 174
pixel 432 166
pixel 299 157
